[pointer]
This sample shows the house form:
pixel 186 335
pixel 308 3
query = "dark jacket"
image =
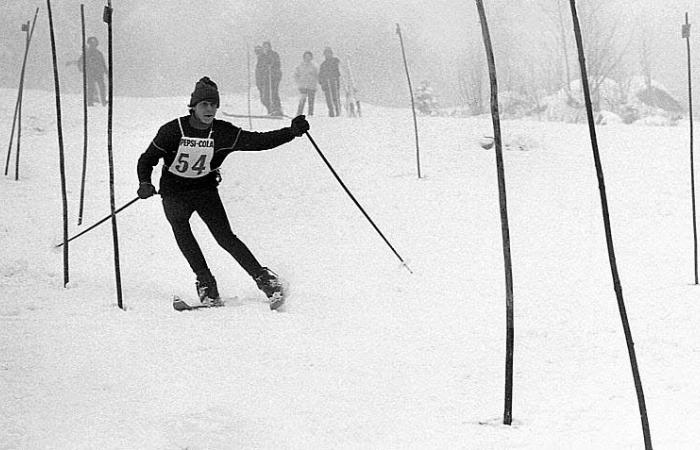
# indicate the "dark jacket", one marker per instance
pixel 94 61
pixel 329 70
pixel 268 65
pixel 227 138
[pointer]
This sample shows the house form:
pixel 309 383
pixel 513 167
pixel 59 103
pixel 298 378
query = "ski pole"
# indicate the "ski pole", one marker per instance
pixel 101 221
pixel 347 191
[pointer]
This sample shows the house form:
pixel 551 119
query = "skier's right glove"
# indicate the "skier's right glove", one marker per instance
pixel 146 190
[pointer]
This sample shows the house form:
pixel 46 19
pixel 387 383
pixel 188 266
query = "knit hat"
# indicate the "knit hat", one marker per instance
pixel 204 89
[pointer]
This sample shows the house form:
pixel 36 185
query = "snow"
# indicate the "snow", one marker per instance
pixel 366 355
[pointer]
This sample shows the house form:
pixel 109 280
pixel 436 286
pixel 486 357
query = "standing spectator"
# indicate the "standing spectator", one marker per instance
pixel 306 77
pixel 262 79
pixel 329 78
pixel 273 72
pixel 96 70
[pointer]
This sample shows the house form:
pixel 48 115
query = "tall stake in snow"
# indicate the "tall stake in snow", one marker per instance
pixel 608 229
pixel 17 116
pixel 85 118
pixel 61 159
pixel 25 27
pixel 250 119
pixel 107 17
pixel 510 330
pixel 413 102
pixel 686 35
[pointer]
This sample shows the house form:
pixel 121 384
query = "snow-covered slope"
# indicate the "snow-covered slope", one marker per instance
pixel 366 354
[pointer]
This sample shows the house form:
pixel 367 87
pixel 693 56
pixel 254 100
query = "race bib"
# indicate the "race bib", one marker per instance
pixel 193 158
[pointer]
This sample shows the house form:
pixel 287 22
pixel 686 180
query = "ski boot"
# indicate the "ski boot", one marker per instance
pixel 272 286
pixel 207 291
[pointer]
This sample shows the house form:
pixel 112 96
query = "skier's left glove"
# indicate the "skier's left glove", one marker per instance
pixel 299 125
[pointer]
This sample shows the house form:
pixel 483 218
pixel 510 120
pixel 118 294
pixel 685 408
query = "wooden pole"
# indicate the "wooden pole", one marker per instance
pixel 20 90
pixel 413 103
pixel 61 159
pixel 686 35
pixel 608 229
pixel 85 119
pixel 107 17
pixel 25 27
pixel 250 119
pixel 505 231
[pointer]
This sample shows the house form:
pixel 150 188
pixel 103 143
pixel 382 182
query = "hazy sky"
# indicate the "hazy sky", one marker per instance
pixel 162 47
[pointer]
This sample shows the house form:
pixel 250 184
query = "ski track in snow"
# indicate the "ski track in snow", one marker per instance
pixel 365 354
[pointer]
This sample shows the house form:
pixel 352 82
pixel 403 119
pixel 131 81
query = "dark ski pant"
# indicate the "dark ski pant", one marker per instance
pixel 207 203
pixel 275 102
pixel 311 95
pixel 93 83
pixel 332 91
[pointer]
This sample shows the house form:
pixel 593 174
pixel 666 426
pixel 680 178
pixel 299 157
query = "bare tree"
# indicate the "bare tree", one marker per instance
pixel 605 44
pixel 555 11
pixel 470 79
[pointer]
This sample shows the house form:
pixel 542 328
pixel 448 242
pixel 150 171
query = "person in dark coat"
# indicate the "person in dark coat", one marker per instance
pixel 95 73
pixel 262 79
pixel 193 148
pixel 271 74
pixel 329 79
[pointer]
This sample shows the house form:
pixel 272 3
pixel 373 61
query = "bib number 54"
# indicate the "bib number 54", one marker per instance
pixel 183 164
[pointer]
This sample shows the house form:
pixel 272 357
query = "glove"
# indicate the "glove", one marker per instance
pixel 299 125
pixel 146 190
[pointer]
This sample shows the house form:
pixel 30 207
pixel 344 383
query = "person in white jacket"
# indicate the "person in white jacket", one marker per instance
pixel 306 77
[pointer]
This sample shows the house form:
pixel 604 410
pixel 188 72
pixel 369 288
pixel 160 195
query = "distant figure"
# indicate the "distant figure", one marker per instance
pixel 262 79
pixel 96 70
pixel 271 75
pixel 329 78
pixel 306 77
pixel 425 99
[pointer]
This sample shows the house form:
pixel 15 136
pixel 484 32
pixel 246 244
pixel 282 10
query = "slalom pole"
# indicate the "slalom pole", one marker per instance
pixel 505 231
pixel 352 197
pixel 12 135
pixel 25 27
pixel 686 35
pixel 247 49
pixel 62 164
pixel 413 103
pixel 30 33
pixel 608 231
pixel 85 118
pixel 101 221
pixel 107 18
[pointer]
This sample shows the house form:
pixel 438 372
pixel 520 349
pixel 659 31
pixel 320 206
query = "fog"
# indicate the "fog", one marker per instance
pixel 162 47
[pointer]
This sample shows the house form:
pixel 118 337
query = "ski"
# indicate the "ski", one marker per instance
pixel 180 304
pixel 245 116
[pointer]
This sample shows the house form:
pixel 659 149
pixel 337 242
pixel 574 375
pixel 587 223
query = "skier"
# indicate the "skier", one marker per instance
pixel 96 70
pixel 306 76
pixel 329 78
pixel 193 148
